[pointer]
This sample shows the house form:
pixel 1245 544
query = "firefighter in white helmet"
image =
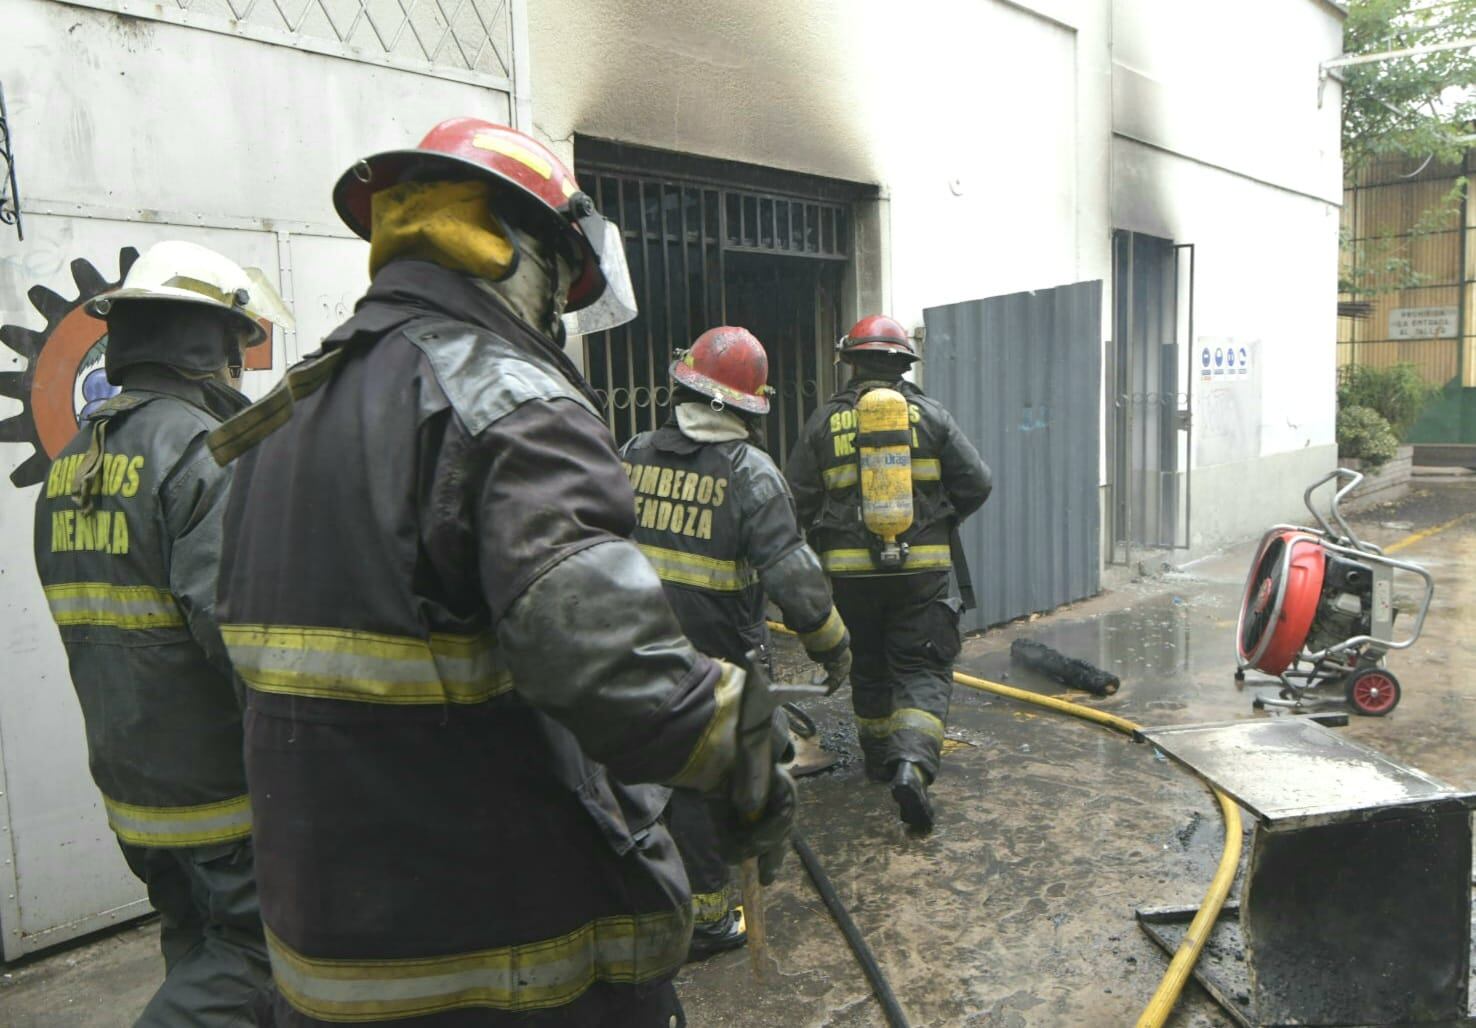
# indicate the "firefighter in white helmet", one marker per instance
pixel 128 529
pixel 882 476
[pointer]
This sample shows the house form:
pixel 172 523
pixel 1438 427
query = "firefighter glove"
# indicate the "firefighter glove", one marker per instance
pixel 837 669
pixel 766 836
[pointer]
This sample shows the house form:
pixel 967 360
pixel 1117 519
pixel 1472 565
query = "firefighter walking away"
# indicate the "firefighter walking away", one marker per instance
pixel 882 477
pixel 716 521
pixel 128 534
pixel 459 666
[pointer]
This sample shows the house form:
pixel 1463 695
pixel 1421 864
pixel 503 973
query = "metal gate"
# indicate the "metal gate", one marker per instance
pixel 705 252
pixel 1022 375
pixel 1151 393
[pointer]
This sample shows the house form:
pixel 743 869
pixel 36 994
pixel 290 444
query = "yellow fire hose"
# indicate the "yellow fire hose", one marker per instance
pixel 1172 984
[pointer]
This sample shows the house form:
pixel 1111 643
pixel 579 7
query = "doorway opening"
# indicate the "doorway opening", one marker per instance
pixel 711 243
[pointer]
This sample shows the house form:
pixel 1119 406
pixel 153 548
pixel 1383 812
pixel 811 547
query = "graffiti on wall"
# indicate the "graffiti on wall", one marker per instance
pixel 64 378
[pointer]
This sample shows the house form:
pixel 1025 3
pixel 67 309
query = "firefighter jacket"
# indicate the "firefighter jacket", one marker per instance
pixel 949 482
pixel 128 568
pixel 716 521
pixel 454 658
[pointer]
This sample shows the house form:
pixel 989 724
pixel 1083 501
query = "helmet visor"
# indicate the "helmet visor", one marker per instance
pixel 617 304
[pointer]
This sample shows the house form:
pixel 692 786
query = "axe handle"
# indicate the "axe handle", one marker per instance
pixel 753 916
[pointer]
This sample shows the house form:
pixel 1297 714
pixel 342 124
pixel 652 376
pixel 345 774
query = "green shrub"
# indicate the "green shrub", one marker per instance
pixel 1396 393
pixel 1364 434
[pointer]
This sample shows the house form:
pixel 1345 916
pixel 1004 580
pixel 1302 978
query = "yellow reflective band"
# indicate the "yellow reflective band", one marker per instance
pixel 711 907
pixel 366 667
pixel 132 607
pixel 909 718
pixel 912 719
pixel 840 476
pixel 626 950
pixel 681 568
pixel 919 558
pixel 713 755
pixel 273 410
pixel 527 158
pixel 924 469
pixel 827 636
pixel 180 826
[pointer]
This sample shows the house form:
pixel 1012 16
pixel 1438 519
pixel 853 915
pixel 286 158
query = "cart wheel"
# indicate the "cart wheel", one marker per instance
pixel 1373 691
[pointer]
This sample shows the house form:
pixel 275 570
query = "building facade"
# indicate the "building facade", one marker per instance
pixel 1410 255
pixel 785 166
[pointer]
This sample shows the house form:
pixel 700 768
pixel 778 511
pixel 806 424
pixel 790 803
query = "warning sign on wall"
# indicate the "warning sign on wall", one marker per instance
pixel 1423 323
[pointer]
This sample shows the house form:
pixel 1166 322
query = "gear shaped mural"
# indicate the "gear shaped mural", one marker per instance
pixel 64 374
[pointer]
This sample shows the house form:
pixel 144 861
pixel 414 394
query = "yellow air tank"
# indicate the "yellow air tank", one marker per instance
pixel 884 450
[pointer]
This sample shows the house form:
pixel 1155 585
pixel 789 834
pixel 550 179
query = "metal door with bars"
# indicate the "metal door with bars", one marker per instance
pixel 1150 393
pixel 704 251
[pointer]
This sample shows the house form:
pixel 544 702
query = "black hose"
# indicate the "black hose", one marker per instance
pixel 800 723
pixel 896 1016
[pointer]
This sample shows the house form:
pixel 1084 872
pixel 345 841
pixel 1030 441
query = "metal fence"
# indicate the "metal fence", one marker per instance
pixel 1022 375
pixel 704 253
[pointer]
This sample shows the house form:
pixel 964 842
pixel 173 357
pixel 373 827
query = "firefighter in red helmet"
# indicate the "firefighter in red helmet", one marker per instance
pixel 716 521
pixel 893 593
pixel 458 665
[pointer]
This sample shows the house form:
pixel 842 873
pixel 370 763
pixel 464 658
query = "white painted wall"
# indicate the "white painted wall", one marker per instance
pixel 129 131
pixel 1219 141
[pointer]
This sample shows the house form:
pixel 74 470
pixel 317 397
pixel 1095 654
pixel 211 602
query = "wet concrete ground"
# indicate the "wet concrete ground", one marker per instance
pixel 1018 910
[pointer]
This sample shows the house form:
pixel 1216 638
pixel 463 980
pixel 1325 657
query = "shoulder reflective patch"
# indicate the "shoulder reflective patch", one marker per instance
pixel 367 667
pixel 533 975
pixel 273 410
pixel 180 826
pixel 681 568
pixel 105 605
pixel 485 377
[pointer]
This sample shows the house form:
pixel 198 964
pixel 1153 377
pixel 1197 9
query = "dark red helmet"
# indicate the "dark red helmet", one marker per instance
pixel 491 151
pixel 877 333
pixel 728 364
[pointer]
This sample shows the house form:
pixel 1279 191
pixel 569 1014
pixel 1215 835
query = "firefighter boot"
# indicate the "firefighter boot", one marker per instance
pixel 910 790
pixel 714 937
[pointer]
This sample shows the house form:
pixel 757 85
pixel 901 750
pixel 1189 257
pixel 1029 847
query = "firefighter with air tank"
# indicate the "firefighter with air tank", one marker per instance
pixel 128 535
pixel 716 520
pixel 882 476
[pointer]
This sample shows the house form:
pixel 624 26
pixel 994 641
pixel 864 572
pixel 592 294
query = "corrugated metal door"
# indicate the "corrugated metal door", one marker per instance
pixel 1022 374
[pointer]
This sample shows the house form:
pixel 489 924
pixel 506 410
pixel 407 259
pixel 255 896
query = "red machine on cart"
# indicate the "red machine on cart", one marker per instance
pixel 1319 611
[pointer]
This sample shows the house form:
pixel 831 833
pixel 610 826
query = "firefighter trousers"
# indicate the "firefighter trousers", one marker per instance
pixel 210 932
pixel 691 826
pixel 904 638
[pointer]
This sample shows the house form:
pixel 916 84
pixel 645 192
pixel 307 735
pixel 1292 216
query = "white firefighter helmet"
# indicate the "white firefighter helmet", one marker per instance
pixel 190 273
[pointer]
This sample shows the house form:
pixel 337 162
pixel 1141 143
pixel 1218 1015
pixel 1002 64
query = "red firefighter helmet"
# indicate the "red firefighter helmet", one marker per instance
pixel 506 156
pixel 877 333
pixel 728 364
